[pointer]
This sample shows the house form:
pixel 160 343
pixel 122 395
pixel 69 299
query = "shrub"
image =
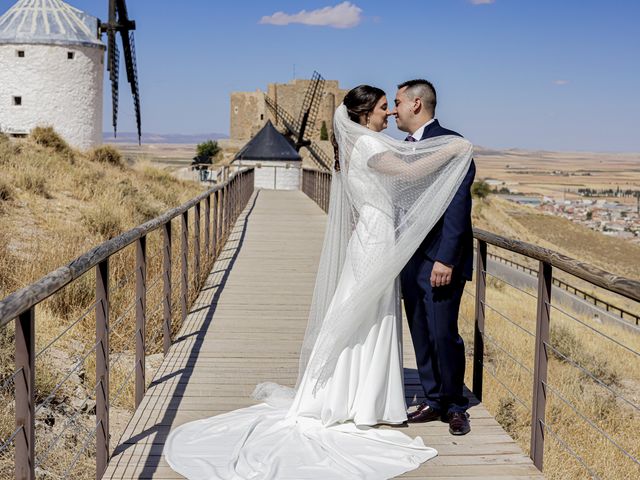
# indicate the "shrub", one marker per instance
pixel 324 134
pixel 49 138
pixel 34 182
pixel 480 189
pixel 4 138
pixel 103 221
pixel 566 344
pixel 210 149
pixel 506 414
pixel 106 154
pixel 6 191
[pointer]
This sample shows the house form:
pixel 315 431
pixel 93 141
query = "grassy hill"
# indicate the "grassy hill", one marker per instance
pixel 55 204
pixel 560 234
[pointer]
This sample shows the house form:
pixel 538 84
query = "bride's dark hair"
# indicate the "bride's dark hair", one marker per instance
pixel 361 101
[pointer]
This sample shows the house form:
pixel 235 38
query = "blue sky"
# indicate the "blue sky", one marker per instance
pixel 555 75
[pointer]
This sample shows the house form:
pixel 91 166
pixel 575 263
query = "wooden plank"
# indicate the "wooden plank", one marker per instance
pixel 246 327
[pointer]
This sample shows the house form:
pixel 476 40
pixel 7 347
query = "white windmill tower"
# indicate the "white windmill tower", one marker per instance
pixel 52 68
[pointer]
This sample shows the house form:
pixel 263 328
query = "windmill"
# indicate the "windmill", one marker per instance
pixel 303 128
pixel 119 22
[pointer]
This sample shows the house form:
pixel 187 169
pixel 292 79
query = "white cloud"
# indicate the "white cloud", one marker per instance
pixel 344 15
pixel 560 82
pixel 482 2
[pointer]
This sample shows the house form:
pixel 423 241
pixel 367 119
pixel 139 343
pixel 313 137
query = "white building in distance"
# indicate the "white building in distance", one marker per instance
pixel 51 71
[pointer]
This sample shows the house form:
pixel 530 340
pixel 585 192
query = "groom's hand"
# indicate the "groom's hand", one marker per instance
pixel 441 275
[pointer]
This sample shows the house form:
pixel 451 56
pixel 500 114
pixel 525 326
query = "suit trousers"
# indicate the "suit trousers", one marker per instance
pixel 432 313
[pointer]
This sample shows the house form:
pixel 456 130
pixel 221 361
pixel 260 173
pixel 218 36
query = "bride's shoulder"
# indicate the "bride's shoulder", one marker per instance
pixel 370 143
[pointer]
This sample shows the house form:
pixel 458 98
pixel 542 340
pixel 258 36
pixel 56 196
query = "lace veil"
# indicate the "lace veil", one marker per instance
pixel 409 184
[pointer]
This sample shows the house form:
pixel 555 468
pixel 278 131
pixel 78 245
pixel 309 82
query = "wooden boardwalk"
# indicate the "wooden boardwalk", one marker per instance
pixel 246 327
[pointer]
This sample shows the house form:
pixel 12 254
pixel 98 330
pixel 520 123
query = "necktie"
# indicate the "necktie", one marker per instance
pixel 410 139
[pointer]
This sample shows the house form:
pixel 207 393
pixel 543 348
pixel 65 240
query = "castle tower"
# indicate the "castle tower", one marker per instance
pixel 51 71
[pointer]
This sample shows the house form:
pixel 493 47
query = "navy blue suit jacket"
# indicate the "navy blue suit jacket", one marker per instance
pixel 450 241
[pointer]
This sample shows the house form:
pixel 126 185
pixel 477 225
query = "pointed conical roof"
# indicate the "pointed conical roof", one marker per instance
pixel 268 144
pixel 50 22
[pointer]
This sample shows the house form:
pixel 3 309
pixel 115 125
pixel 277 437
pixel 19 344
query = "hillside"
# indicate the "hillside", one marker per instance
pixel 56 203
pixel 527 224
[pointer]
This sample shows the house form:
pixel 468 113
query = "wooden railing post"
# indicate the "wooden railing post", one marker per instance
pixel 216 222
pixel 141 314
pixel 541 362
pixel 166 287
pixel 478 336
pixel 207 226
pixel 184 257
pixel 25 395
pixel 196 246
pixel 102 367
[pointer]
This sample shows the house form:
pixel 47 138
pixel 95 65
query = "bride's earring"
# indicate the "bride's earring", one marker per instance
pixel 367 121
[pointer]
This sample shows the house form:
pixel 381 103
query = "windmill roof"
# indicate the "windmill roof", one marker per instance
pixel 51 22
pixel 268 144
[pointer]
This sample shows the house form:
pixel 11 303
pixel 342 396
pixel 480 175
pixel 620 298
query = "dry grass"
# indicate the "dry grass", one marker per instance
pixel 615 368
pixel 106 154
pixel 59 204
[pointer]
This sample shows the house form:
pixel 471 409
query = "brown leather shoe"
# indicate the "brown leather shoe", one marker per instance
pixel 424 413
pixel 459 423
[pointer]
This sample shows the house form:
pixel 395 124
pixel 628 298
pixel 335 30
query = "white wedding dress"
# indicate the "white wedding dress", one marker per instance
pixel 387 196
pixel 325 433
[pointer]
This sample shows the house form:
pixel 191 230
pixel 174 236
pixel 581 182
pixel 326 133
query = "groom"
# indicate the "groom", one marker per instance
pixel 433 280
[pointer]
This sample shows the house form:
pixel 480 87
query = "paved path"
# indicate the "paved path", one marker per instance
pixel 246 327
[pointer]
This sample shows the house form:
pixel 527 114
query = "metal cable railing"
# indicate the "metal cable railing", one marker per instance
pixel 10 440
pixel 592 376
pixel 506 318
pixel 495 376
pixel 69 327
pixel 591 423
pixel 595 330
pixel 40 459
pixel 183 252
pixel 570 450
pixel 502 280
pixel 503 350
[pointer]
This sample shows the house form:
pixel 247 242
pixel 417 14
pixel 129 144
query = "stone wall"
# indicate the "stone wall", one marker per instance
pixel 249 111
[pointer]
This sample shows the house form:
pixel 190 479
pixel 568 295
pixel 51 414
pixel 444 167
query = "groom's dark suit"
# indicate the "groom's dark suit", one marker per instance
pixel 432 312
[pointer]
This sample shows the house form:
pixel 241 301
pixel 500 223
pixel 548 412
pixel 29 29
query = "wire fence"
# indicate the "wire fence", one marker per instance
pixel 55 436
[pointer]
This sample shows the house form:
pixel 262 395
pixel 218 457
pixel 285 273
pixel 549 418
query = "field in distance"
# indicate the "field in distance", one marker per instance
pixel 559 174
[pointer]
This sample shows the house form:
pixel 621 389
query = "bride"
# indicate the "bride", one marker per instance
pixel 385 195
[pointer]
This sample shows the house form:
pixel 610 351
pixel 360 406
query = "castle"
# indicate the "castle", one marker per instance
pixel 249 111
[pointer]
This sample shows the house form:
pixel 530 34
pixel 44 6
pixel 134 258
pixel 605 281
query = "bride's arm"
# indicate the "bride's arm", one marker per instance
pixel 388 163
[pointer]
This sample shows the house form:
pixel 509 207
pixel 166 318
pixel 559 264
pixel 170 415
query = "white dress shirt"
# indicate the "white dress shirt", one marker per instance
pixel 419 132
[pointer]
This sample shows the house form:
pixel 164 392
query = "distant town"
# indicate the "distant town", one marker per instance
pixel 599 210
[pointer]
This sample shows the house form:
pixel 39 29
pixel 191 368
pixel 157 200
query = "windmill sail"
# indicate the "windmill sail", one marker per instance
pixel 303 128
pixel 119 22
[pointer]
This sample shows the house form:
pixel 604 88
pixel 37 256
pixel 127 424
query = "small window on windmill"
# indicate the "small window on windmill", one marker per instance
pixel 20 53
pixel 17 101
pixel 71 55
pixel 235 110
pixel 262 116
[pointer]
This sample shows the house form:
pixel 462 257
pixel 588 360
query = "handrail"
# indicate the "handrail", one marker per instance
pixel 615 283
pixel 597 301
pixel 22 300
